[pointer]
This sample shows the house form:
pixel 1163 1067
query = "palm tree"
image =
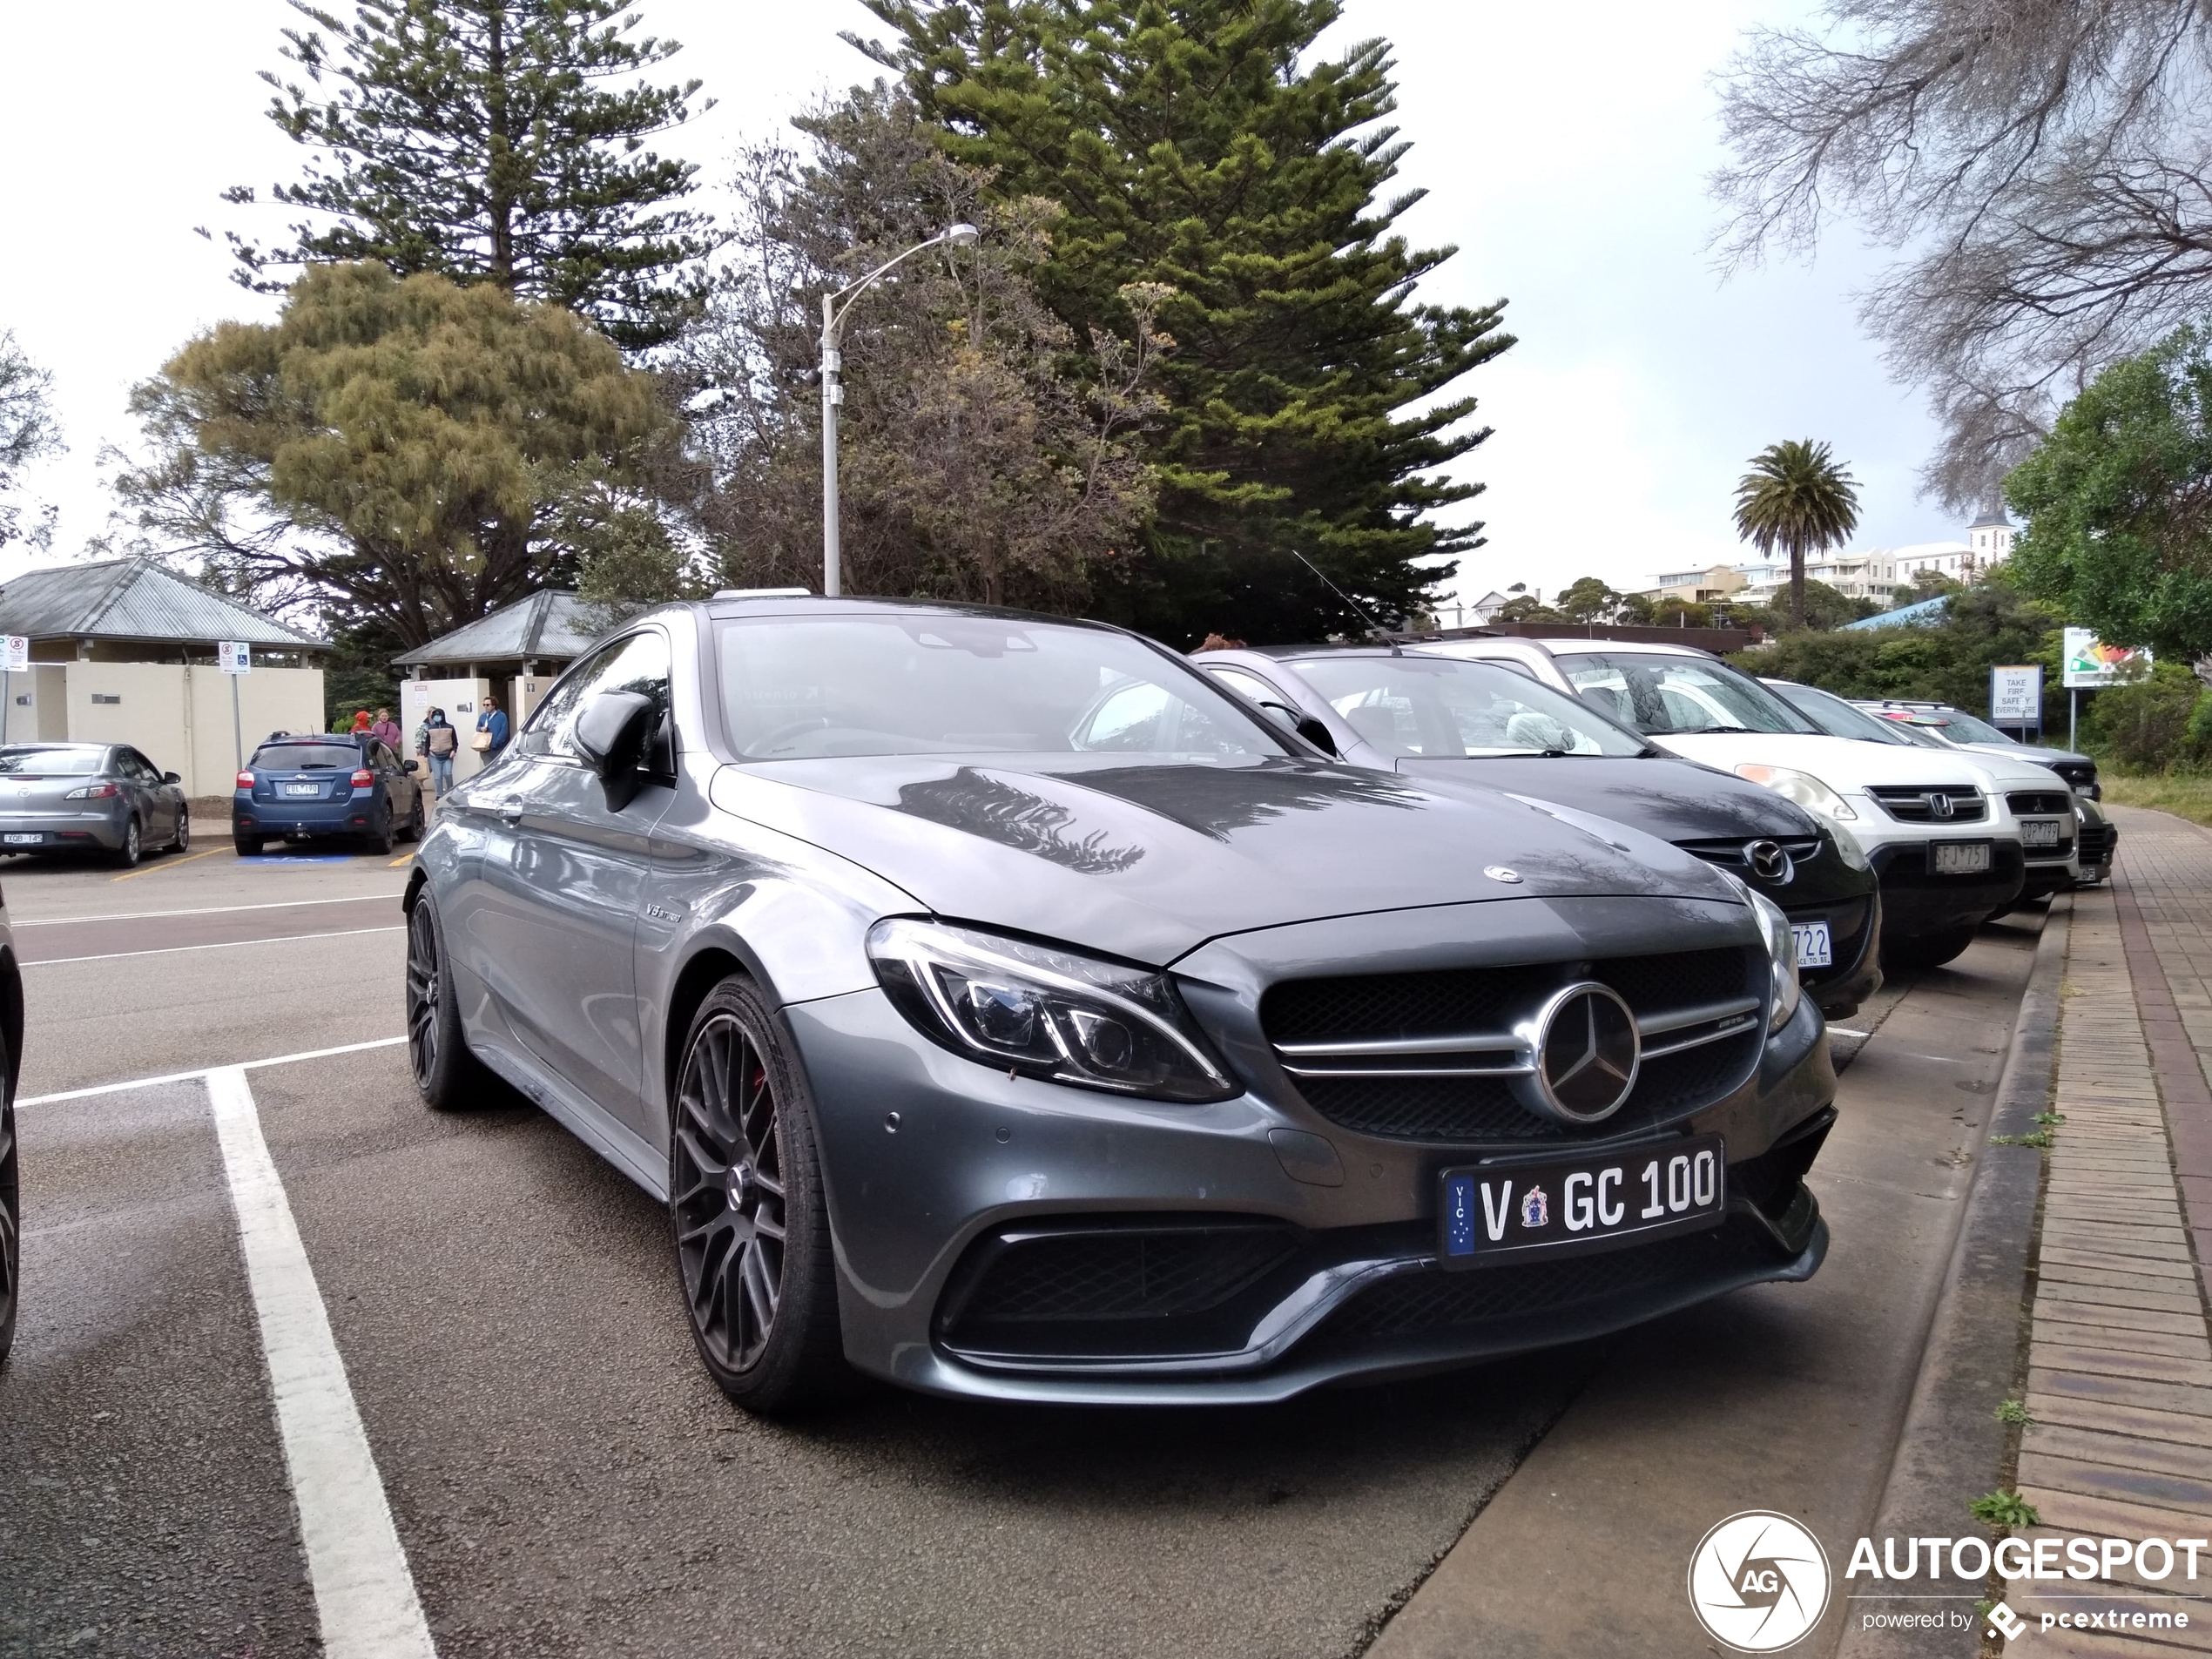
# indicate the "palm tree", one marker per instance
pixel 1797 498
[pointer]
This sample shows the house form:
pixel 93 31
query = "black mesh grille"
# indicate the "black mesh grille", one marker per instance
pixel 2096 842
pixel 1682 979
pixel 1428 1108
pixel 1908 803
pixel 1121 1275
pixel 1400 1005
pixel 1730 853
pixel 2026 803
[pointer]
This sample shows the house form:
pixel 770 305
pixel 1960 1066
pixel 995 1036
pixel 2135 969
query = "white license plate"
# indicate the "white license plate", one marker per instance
pixel 1815 948
pixel 303 789
pixel 1962 858
pixel 1566 1206
pixel 24 840
pixel 2039 831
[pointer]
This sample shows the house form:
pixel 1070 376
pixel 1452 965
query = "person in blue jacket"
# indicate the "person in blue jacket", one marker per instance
pixel 493 720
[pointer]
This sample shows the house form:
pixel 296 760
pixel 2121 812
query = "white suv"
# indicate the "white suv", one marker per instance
pixel 1946 842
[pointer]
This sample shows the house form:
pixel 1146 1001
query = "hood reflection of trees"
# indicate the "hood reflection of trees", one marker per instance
pixel 995 810
pixel 1216 799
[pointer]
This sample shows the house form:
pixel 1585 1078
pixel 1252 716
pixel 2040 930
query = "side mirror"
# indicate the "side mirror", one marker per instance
pixel 611 733
pixel 412 766
pixel 1312 731
pixel 171 777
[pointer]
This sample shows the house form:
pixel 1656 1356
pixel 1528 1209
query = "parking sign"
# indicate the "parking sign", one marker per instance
pixel 235 657
pixel 15 652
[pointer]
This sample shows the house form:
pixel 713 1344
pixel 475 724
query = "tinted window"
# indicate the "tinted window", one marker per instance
pixel 1668 695
pixel 1838 718
pixel 1437 705
pixel 307 757
pixel 638 663
pixel 72 760
pixel 1964 728
pixel 802 687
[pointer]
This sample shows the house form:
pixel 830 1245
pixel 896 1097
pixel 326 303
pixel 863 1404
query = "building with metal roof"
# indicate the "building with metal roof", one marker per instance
pixel 134 610
pixel 551 628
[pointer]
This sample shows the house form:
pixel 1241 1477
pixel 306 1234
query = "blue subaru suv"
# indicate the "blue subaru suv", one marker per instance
pixel 326 784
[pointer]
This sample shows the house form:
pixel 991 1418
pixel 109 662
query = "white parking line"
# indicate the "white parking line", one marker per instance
pixel 220 944
pixel 203 910
pixel 201 1071
pixel 364 1593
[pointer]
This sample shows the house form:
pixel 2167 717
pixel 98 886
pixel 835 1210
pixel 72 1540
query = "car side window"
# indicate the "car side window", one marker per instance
pixel 638 663
pixel 136 765
pixel 1246 685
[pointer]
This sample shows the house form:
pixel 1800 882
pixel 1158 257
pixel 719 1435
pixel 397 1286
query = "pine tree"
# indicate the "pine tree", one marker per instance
pixel 1193 146
pixel 471 138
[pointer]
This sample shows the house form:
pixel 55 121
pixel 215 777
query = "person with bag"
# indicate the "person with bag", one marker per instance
pixel 492 731
pixel 440 743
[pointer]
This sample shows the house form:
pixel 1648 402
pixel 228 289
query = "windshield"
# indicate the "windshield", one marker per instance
pixel 1964 728
pixel 1432 706
pixel 1838 718
pixel 1665 697
pixel 803 687
pixel 307 757
pixel 71 760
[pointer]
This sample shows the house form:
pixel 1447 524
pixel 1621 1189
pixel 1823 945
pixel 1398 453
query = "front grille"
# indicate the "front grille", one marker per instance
pixel 1473 1109
pixel 1729 853
pixel 2079 773
pixel 2028 804
pixel 1912 803
pixel 1120 1274
pixel 2096 842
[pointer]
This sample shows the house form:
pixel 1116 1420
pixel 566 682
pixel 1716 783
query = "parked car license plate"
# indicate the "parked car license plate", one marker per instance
pixel 1961 857
pixel 1816 949
pixel 303 789
pixel 2042 831
pixel 1504 1212
pixel 25 840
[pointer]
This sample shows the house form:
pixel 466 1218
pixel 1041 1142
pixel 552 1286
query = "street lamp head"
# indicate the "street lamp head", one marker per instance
pixel 963 235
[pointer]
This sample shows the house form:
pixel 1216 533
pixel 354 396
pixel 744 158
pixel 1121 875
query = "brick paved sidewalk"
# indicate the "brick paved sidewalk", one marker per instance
pixel 2120 1361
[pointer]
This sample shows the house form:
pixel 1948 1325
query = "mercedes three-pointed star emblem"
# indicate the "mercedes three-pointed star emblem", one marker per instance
pixel 1586 1053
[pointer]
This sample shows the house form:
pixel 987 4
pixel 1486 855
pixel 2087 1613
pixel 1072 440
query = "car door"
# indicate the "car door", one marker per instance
pixel 392 781
pixel 561 878
pixel 156 810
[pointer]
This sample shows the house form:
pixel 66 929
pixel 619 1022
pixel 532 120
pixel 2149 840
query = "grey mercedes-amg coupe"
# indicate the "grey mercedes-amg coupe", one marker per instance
pixel 1001 1008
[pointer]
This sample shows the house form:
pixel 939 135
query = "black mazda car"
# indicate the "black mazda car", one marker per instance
pixel 1447 720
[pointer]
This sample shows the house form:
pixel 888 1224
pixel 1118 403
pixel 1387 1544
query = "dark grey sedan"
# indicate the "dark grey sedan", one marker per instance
pixel 1001 1007
pixel 89 797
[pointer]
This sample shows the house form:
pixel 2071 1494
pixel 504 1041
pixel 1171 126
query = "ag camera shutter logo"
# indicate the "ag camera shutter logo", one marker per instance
pixel 1759 1581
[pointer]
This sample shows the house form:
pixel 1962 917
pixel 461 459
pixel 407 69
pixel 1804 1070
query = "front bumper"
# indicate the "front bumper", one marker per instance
pixel 933 1164
pixel 1854 930
pixel 1916 901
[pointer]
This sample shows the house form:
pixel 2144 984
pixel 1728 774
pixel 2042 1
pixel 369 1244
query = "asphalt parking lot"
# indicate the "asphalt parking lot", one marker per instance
pixel 563 1478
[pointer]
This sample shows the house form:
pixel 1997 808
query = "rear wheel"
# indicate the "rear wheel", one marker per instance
pixel 746 1206
pixel 447 1075
pixel 127 854
pixel 249 846
pixel 1925 950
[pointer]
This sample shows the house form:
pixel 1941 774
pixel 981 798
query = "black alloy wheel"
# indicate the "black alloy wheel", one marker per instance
pixel 751 1233
pixel 126 856
pixel 447 1075
pixel 383 840
pixel 10 1220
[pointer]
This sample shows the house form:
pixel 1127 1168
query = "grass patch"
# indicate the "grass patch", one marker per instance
pixel 2005 1509
pixel 2041 1138
pixel 2184 794
pixel 2013 1411
pixel 2050 1119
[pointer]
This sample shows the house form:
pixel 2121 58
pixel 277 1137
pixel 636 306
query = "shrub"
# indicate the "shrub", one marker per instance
pixel 2158 722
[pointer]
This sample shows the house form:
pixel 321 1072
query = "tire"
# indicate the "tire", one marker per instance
pixel 181 842
pixel 448 1077
pixel 415 825
pixel 383 840
pixel 10 1218
pixel 249 846
pixel 1925 950
pixel 126 856
pixel 747 1219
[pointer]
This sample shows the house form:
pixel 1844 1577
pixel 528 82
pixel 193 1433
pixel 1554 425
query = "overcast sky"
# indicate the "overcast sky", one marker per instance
pixel 1565 150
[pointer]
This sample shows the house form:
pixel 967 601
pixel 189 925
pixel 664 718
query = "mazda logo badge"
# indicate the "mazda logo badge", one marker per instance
pixel 1582 1052
pixel 1769 861
pixel 1939 805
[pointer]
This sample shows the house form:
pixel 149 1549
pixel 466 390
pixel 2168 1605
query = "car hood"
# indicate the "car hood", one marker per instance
pixel 1841 763
pixel 1678 801
pixel 1147 859
pixel 2034 753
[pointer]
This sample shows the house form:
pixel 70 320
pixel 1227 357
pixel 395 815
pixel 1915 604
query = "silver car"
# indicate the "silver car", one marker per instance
pixel 89 797
pixel 1001 1008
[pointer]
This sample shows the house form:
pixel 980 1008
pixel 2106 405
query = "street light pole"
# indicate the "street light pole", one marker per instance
pixel 835 306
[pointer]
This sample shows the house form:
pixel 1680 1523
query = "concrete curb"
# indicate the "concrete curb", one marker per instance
pixel 1953 1448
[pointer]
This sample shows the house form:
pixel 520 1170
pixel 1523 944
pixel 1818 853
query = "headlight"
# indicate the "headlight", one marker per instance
pixel 1047 1013
pixel 1781 949
pixel 1800 786
pixel 1847 846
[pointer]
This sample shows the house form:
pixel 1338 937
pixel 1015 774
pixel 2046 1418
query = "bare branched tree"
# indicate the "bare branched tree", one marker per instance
pixel 2041 166
pixel 985 451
